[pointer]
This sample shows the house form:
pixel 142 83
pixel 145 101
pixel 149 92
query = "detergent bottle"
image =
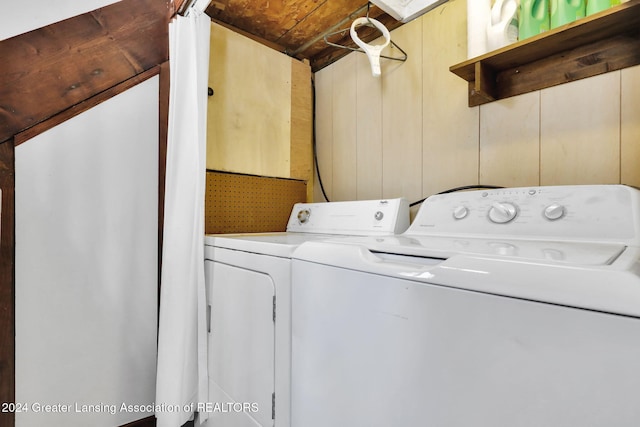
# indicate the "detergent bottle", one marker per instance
pixel 502 28
pixel 566 11
pixel 595 6
pixel 534 18
pixel 478 12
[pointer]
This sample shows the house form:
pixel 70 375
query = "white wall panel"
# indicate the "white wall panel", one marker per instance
pixel 344 129
pixel 510 141
pixel 402 116
pixel 630 126
pixel 86 263
pixel 580 132
pixel 450 135
pixel 369 134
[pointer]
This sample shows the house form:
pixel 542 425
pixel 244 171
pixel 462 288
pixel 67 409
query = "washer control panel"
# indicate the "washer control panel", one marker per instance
pixel 580 212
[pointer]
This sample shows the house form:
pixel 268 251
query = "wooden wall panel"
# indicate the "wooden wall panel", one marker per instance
pixel 7 280
pixel 301 154
pixel 580 132
pixel 49 70
pixel 249 115
pixel 368 132
pixel 630 126
pixel 344 129
pixel 510 141
pixel 402 117
pixel 450 129
pixel 237 203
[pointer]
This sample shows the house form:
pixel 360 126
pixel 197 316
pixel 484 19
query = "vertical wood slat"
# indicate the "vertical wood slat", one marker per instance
pixel 510 141
pixel 402 117
pixel 53 68
pixel 580 132
pixel 368 131
pixel 301 125
pixel 7 280
pixel 630 127
pixel 344 129
pixel 450 141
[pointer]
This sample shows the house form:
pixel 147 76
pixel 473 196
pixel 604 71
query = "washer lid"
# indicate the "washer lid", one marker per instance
pixel 518 250
pixel 609 286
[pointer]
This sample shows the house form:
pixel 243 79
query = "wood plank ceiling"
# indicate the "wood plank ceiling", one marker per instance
pixel 297 27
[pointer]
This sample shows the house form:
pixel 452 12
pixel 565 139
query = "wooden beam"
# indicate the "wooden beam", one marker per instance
pixel 7 281
pixel 85 105
pixel 51 69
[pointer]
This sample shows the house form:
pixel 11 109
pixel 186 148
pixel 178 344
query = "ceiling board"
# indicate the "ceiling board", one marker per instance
pixel 296 27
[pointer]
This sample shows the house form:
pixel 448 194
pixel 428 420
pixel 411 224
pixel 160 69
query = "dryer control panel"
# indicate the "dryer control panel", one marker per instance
pixel 361 217
pixel 598 213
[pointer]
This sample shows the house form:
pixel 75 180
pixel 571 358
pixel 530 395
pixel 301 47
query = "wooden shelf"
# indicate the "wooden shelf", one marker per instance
pixel 603 42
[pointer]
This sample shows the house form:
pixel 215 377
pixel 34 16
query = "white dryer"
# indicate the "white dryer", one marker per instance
pixel 505 308
pixel 249 295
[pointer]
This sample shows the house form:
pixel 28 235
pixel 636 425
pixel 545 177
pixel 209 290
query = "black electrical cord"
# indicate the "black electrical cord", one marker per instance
pixel 452 190
pixel 317 166
pixel 314 142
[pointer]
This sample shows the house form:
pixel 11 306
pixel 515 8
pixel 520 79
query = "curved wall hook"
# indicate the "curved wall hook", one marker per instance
pixel 372 51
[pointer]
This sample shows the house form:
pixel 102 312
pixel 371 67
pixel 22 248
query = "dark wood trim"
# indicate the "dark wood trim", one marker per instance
pixel 7 281
pixel 145 422
pixel 162 167
pixel 85 105
pixel 53 68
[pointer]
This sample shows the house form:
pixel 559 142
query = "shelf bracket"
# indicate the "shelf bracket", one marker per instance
pixel 482 88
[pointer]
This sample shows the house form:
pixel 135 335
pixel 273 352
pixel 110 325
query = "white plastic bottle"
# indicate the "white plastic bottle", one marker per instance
pixel 502 28
pixel 478 12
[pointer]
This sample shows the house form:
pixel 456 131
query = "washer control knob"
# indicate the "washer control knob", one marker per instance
pixel 460 212
pixel 554 211
pixel 501 213
pixel 379 215
pixel 303 215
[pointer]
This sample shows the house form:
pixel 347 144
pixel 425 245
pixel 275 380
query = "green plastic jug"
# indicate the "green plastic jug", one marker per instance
pixel 595 6
pixel 566 11
pixel 534 18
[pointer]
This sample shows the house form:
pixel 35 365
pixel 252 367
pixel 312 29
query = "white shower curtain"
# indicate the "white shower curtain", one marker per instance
pixel 182 359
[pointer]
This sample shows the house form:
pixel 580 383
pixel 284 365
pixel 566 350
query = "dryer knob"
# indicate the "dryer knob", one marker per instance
pixel 379 215
pixel 501 213
pixel 303 215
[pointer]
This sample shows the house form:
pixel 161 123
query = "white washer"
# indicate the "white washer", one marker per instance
pixel 505 308
pixel 249 294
